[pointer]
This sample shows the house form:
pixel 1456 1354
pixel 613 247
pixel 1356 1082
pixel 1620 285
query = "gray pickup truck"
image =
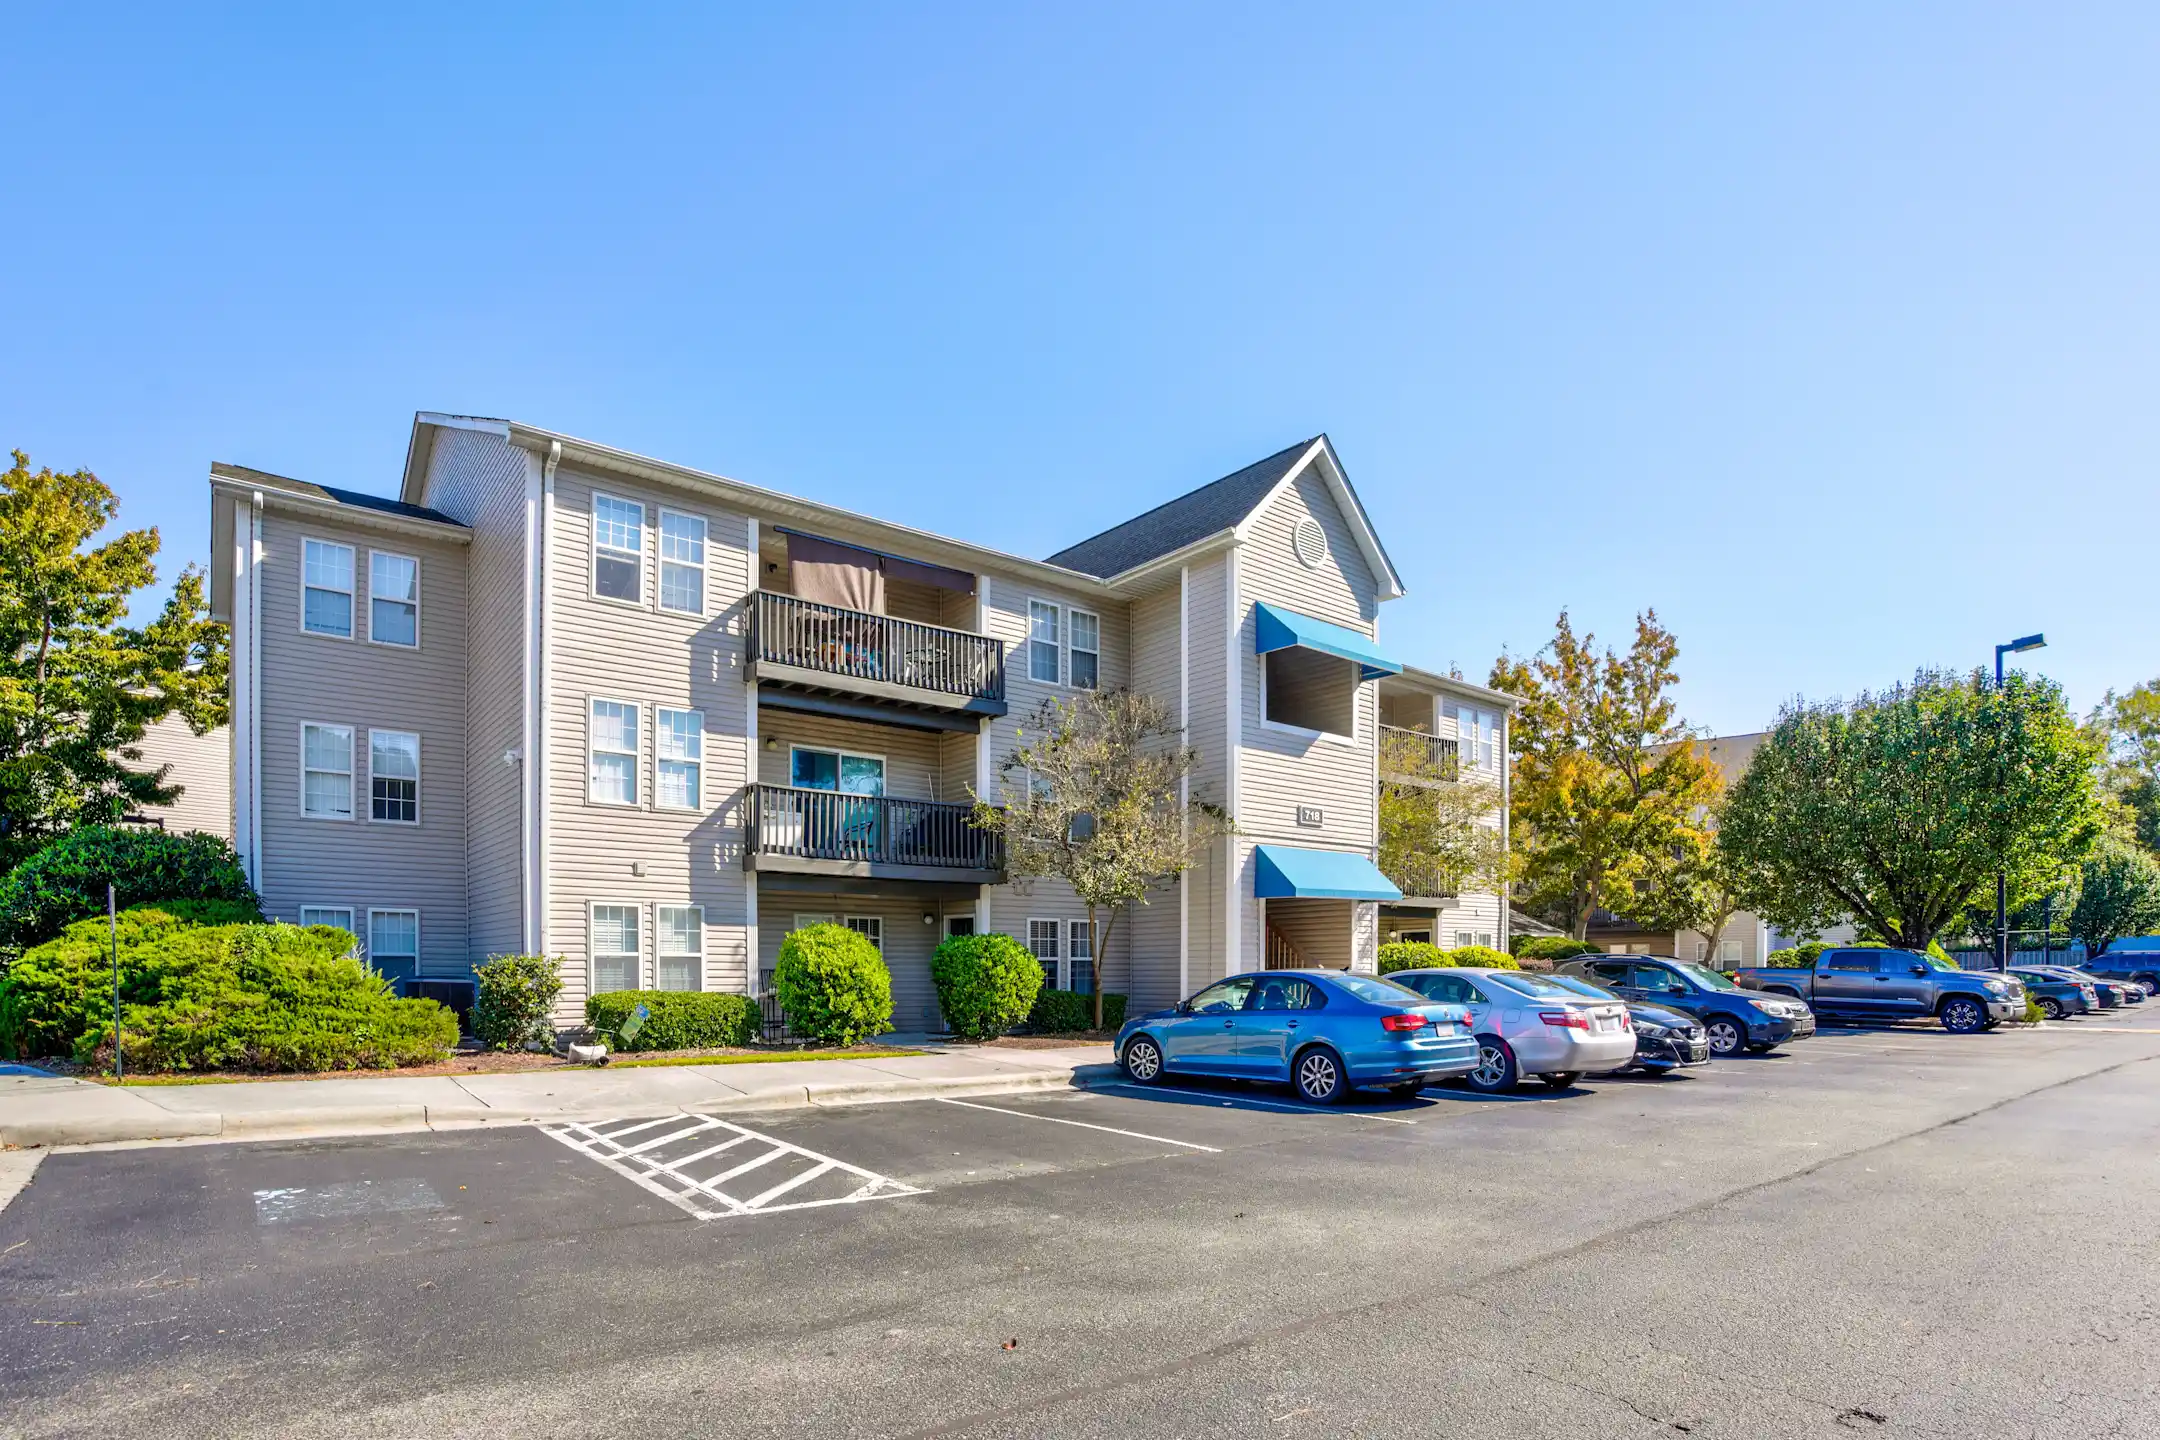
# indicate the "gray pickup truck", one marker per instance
pixel 1870 984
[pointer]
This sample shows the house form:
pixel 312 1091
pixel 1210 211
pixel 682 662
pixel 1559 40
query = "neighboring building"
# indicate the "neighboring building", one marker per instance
pixel 561 698
pixel 201 765
pixel 1463 729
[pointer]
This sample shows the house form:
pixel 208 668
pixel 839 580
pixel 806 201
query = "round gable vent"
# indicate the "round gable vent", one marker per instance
pixel 1309 543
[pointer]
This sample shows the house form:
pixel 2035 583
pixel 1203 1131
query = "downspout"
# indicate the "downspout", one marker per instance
pixel 540 756
pixel 254 664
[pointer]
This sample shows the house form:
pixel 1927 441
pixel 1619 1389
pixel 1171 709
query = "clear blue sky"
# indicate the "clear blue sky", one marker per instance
pixel 1829 331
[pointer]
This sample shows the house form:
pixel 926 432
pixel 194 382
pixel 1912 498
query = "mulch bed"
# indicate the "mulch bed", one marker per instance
pixel 1062 1041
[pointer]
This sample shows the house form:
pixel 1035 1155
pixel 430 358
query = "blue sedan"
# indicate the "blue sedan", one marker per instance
pixel 1326 1032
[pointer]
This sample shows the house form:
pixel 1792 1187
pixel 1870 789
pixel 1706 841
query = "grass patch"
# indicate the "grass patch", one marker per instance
pixel 615 1064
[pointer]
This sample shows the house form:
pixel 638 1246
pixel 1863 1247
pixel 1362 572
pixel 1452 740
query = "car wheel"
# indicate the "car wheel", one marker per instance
pixel 1561 1079
pixel 1143 1060
pixel 2050 1007
pixel 1409 1090
pixel 1319 1076
pixel 1963 1015
pixel 1728 1037
pixel 1495 1073
pixel 2149 981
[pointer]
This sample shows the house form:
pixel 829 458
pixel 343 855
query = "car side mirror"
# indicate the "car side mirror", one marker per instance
pixel 1184 1007
pixel 1919 969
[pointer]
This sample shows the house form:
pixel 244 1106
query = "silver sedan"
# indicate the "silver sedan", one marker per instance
pixel 1526 1025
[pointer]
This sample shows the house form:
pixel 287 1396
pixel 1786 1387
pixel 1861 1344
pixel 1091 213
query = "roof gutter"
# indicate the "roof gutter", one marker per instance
pixel 271 497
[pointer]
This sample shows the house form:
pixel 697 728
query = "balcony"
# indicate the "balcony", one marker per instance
pixel 1416 758
pixel 1420 884
pixel 828 660
pixel 869 837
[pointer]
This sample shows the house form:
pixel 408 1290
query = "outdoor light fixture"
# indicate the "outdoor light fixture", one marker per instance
pixel 772 742
pixel 928 918
pixel 2002 882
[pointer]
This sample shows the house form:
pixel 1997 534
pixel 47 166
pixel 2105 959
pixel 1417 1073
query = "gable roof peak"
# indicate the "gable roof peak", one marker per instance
pixel 1216 506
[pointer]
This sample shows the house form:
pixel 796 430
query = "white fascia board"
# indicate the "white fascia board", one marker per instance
pixel 420 449
pixel 1322 455
pixel 292 502
pixel 1449 685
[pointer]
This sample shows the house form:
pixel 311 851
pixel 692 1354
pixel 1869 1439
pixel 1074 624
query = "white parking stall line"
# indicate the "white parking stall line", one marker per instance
pixel 682 1180
pixel 1083 1125
pixel 1244 1100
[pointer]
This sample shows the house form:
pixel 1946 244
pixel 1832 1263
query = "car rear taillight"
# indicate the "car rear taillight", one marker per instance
pixel 1402 1020
pixel 1565 1019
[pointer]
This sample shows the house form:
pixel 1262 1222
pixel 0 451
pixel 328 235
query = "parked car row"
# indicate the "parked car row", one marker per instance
pixel 1329 1032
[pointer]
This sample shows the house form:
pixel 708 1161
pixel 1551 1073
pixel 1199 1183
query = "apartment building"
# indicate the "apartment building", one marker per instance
pixel 1438 730
pixel 558 697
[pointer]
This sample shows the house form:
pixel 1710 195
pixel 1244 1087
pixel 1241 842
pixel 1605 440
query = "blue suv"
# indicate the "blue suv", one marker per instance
pixel 1325 1032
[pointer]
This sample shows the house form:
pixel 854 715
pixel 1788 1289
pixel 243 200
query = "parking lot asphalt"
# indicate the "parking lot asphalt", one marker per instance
pixel 1895 1231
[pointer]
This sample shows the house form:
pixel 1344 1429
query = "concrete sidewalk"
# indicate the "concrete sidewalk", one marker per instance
pixel 52 1110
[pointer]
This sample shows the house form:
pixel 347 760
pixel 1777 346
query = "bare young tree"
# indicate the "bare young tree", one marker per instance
pixel 1091 796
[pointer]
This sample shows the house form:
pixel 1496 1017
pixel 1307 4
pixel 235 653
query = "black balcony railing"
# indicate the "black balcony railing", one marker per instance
pixel 835 825
pixel 860 646
pixel 1415 755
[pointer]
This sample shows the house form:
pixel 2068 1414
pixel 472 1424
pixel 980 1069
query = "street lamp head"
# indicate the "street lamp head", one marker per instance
pixel 2024 643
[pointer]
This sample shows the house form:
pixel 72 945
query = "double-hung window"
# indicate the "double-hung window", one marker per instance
pixel 1042 943
pixel 614 948
pixel 394 941
pixel 1043 642
pixel 682 563
pixel 870 927
pixel 614 746
pixel 1083 661
pixel 393 599
pixel 326 772
pixel 338 917
pixel 679 745
pixel 1080 958
pixel 326 601
pixel 679 947
pixel 618 549
pixel 394 777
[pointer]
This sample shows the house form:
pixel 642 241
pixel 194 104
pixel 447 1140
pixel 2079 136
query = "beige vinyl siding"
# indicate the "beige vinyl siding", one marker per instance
pixel 313 678
pixel 908 942
pixel 956 767
pixel 1280 771
pixel 1150 976
pixel 201 765
pixel 1207 673
pixel 480 480
pixel 651 657
pixel 911 756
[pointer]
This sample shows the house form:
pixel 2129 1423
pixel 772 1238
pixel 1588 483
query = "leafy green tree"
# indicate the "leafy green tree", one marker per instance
pixel 1439 833
pixel 1607 784
pixel 78 685
pixel 1091 797
pixel 1895 811
pixel 2128 727
pixel 2118 895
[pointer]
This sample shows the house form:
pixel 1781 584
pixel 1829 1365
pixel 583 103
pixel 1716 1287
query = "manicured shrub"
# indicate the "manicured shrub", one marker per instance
pixel 218 996
pixel 1066 1012
pixel 675 1019
pixel 1410 955
pixel 65 881
pixel 1481 957
pixel 833 985
pixel 1796 957
pixel 986 984
pixel 1549 948
pixel 514 1000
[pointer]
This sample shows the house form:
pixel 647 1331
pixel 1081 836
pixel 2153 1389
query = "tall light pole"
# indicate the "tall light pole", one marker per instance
pixel 2002 882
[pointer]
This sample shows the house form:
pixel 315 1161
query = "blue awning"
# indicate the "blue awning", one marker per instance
pixel 1275 629
pixel 1283 872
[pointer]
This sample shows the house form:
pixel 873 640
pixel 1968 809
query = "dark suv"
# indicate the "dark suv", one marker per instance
pixel 1736 1019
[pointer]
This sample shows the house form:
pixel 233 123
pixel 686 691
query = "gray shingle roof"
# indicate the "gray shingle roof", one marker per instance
pixel 1177 523
pixel 326 492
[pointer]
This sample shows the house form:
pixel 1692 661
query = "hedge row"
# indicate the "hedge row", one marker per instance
pixel 1059 1012
pixel 1417 955
pixel 675 1019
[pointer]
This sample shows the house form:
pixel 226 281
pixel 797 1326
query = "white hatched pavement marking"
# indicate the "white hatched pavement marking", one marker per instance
pixel 673 1181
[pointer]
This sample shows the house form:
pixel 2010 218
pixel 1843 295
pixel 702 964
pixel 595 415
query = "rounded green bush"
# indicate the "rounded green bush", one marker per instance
pixel 1481 957
pixel 65 881
pixel 833 985
pixel 676 1019
pixel 1796 957
pixel 1410 955
pixel 1549 947
pixel 1072 1012
pixel 514 1001
pixel 986 984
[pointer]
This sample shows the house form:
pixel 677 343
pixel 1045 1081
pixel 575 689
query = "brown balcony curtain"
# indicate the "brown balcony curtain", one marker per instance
pixel 832 572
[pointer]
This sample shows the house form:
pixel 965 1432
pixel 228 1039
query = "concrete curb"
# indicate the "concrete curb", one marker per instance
pixel 328 1122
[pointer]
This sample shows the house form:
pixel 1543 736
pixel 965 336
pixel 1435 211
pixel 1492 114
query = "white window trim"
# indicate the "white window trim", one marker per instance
pixel 949 920
pixel 392 644
pixel 367 942
pixel 793 748
pixel 1027 644
pixel 1080 927
pixel 345 910
pixel 1066 631
pixel 661 562
pixel 352 765
pixel 417 764
pixel 698 954
pixel 697 764
pixel 352 595
pixel 1057 961
pixel 637 755
pixel 1277 727
pixel 850 921
pixel 593 549
pixel 592 955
